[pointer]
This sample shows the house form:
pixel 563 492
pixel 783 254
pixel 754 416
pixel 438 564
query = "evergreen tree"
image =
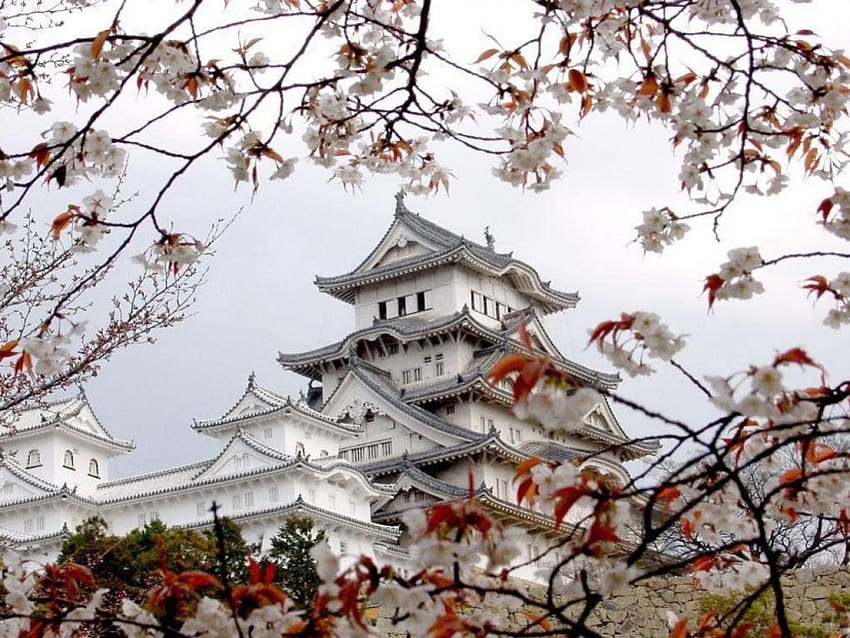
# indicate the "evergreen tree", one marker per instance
pixel 290 553
pixel 233 547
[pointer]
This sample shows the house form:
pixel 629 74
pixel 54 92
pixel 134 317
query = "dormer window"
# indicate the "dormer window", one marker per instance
pixel 33 459
pixel 68 461
pixel 94 469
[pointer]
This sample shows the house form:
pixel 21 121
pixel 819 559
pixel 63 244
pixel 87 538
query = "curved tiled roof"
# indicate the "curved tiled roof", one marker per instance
pixel 450 248
pixel 490 442
pixel 20 473
pixel 187 476
pixel 301 507
pixel 409 328
pixel 281 404
pixel 11 536
pixel 34 418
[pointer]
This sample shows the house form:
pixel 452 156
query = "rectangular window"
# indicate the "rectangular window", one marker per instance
pixel 450 409
pixel 417 374
pixel 39 524
pixel 154 516
pixel 501 310
pixel 489 307
pixel 332 502
pixel 490 424
pixel 402 306
pixel 342 547
pixel 237 502
pixel 28 526
pixel 201 509
pixel 439 369
pixel 382 310
pixel 267 432
pixel 387 448
pixel 483 425
pixel 426 359
pixel 352 508
pixel 477 301
pixel 405 376
pixel 142 520
pixel 249 499
pixel 420 302
pixel 393 348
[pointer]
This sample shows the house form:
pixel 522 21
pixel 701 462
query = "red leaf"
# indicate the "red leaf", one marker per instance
pixel 526 465
pixel 713 283
pixel 97 45
pixel 680 629
pixel 527 490
pixel 489 53
pixel 8 349
pixel 795 355
pixel 24 363
pixel 505 366
pixel 667 495
pixel 819 285
pixel 704 563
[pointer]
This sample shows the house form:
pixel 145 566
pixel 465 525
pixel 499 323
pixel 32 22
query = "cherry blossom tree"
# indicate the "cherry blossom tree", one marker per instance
pixel 751 103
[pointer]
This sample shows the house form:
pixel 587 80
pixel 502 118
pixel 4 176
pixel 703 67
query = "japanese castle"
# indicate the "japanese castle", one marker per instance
pixel 396 415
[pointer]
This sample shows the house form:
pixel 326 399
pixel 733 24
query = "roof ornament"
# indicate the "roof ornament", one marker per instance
pixel 489 238
pixel 400 208
pixel 81 391
pixel 252 380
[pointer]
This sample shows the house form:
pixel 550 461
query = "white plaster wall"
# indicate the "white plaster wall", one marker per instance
pixel 439 282
pixel 52 457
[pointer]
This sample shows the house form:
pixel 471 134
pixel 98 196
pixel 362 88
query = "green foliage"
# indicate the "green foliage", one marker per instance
pixel 290 553
pixel 226 540
pixel 109 558
pixel 760 614
pixel 129 565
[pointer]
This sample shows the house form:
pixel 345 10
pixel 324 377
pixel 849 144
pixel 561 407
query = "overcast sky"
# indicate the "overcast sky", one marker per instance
pixel 260 298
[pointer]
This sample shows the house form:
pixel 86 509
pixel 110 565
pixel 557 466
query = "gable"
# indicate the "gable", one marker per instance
pixel 602 418
pixel 251 403
pixel 15 488
pixel 408 497
pixel 352 394
pixel 400 242
pixel 86 421
pixel 238 457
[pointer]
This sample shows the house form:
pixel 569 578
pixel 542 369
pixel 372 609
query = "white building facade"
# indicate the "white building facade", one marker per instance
pixel 396 415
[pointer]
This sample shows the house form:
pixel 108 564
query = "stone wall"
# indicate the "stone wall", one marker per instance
pixel 642 612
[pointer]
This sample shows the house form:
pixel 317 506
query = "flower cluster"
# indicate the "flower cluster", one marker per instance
pixel 735 277
pixel 171 252
pixel 761 392
pixel 555 408
pixel 626 340
pixel 659 229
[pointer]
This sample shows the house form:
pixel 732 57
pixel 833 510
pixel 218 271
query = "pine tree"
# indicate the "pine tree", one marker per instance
pixel 290 553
